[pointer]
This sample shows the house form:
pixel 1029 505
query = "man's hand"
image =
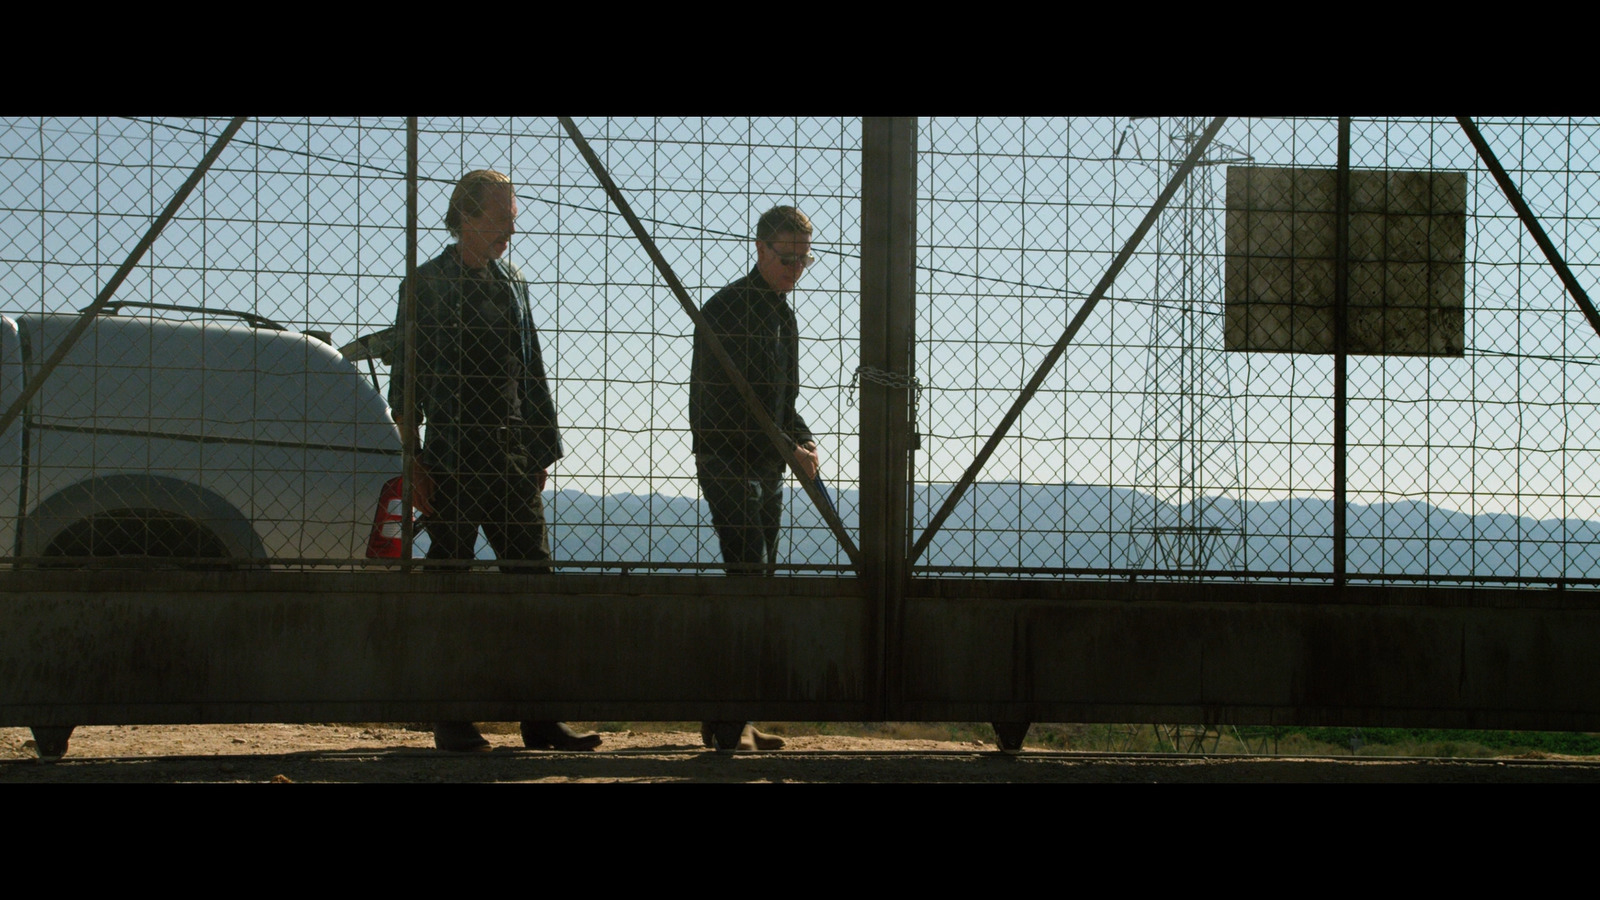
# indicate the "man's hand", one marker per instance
pixel 421 481
pixel 406 434
pixel 421 487
pixel 805 459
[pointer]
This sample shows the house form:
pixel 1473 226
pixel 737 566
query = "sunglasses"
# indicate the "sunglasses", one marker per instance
pixel 790 259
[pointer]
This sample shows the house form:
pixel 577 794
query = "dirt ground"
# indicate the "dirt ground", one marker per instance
pixel 390 754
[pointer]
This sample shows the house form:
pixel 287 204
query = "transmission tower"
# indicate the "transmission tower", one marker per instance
pixel 1186 450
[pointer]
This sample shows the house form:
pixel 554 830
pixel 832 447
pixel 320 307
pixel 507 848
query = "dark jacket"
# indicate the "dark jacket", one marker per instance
pixel 757 327
pixel 439 347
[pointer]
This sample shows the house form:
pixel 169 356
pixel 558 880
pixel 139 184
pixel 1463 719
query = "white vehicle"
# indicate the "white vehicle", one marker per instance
pixel 222 437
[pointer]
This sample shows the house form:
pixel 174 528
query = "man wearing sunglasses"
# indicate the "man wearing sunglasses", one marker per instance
pixel 740 472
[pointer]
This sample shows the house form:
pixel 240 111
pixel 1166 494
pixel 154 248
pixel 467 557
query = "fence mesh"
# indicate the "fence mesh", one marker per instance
pixel 1152 448
pixel 1155 449
pixel 265 434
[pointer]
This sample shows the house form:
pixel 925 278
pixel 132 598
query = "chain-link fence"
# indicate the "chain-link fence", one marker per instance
pixel 206 413
pixel 1191 424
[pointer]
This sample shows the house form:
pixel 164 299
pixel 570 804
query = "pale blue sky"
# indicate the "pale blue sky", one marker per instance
pixel 303 221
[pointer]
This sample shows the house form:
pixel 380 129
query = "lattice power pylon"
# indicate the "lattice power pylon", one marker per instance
pixel 1186 450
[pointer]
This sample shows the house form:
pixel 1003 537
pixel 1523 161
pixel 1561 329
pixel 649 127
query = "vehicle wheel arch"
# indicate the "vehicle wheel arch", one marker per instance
pixel 122 493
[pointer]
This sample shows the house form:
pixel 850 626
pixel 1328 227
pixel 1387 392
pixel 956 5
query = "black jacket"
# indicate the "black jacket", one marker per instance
pixel 441 342
pixel 757 327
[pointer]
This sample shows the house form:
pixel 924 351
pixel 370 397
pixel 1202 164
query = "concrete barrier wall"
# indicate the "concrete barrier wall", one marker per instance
pixel 87 648
pixel 1374 656
pixel 123 647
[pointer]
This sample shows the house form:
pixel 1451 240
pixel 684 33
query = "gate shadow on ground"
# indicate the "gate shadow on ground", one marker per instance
pixel 845 767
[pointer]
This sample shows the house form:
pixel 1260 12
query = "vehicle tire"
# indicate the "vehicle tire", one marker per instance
pixel 141 538
pixel 129 538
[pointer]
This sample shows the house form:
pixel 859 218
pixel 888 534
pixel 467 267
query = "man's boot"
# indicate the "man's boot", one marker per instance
pixel 752 738
pixel 556 736
pixel 726 737
pixel 763 740
pixel 458 737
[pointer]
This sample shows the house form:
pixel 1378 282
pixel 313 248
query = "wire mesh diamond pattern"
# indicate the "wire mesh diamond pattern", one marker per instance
pixel 231 426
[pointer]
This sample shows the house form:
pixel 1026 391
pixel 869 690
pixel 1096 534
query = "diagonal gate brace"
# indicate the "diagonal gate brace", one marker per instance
pixel 1054 356
pixel 1530 221
pixel 818 499
pixel 104 299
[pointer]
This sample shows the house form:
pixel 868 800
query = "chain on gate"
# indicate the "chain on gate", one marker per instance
pixel 892 380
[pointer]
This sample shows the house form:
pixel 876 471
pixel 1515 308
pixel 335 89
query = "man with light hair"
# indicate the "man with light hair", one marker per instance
pixel 740 471
pixel 480 386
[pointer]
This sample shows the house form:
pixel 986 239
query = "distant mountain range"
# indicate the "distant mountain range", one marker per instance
pixel 1088 526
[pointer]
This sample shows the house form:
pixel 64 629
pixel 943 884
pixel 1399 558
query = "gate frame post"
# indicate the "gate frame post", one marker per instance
pixel 888 350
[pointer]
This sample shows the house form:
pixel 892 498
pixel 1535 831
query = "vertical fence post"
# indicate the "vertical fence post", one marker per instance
pixel 888 312
pixel 408 429
pixel 1341 302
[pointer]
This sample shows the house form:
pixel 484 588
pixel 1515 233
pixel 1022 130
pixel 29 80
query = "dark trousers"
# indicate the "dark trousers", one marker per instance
pixel 495 490
pixel 746 509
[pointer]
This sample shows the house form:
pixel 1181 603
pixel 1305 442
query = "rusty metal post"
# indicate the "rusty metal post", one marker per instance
pixel 888 331
pixel 106 293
